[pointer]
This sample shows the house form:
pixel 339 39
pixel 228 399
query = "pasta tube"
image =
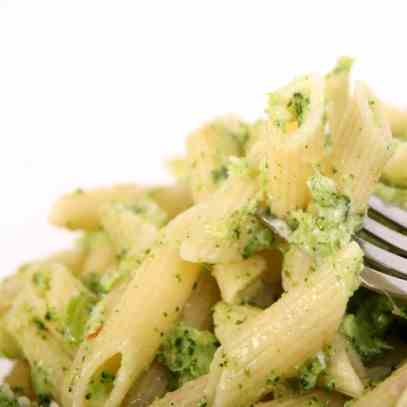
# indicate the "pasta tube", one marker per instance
pixel 304 321
pixel 293 143
pixel 361 148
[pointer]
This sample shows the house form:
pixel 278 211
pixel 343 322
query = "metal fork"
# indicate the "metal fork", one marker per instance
pixel 383 239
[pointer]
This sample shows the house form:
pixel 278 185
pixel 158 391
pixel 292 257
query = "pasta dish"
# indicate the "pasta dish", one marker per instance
pixel 180 296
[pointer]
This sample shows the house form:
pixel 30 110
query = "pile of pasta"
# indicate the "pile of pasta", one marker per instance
pixel 181 296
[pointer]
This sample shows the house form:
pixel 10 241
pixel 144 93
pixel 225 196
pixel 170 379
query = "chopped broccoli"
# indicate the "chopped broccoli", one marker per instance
pixel 100 386
pixel 311 371
pixel 42 280
pixel 187 352
pixel 328 226
pixel 370 319
pixel 298 106
pixel 78 311
pixel 220 174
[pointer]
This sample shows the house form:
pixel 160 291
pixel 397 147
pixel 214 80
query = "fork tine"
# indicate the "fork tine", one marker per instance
pixel 383 258
pixel 386 234
pixel 384 283
pixel 391 212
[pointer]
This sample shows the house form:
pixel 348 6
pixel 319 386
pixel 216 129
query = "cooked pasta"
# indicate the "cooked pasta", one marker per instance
pixel 181 296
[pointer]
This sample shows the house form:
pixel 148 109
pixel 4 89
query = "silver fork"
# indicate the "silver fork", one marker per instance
pixel 386 259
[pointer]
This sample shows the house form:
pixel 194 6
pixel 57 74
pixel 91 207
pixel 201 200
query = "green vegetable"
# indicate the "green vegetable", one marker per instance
pixel 312 371
pixel 328 225
pixel 187 352
pixel 298 106
pixel 78 311
pixel 370 319
pixel 42 280
pixel 100 386
pixel 220 174
pixel 41 381
pixel 260 239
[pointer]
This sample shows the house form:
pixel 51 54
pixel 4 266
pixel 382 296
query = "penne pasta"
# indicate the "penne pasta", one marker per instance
pixel 208 150
pixel 340 374
pixel 160 288
pixel 240 371
pixel 80 209
pixel 395 171
pixel 361 148
pixel 293 143
pixel 240 282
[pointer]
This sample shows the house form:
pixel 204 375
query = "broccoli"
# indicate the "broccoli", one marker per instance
pixel 328 226
pixel 187 352
pixel 8 398
pixel 78 311
pixel 100 386
pixel 311 371
pixel 220 174
pixel 370 319
pixel 298 106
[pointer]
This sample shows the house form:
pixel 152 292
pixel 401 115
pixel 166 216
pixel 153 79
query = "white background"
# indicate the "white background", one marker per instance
pixel 95 92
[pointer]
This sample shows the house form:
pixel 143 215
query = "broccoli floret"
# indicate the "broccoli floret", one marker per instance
pixel 298 106
pixel 368 323
pixel 311 371
pixel 187 352
pixel 78 311
pixel 328 225
pixel 220 174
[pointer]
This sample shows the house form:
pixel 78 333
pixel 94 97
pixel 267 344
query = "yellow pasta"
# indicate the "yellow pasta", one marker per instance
pixel 395 171
pixel 80 209
pixel 230 319
pixel 292 144
pixel 130 232
pixel 208 150
pixel 361 148
pixel 340 372
pixel 338 94
pixel 224 228
pixel 173 199
pixel 304 321
pixel 160 289
pixel 398 120
pixel 240 282
pixel 297 266
pixel 189 395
